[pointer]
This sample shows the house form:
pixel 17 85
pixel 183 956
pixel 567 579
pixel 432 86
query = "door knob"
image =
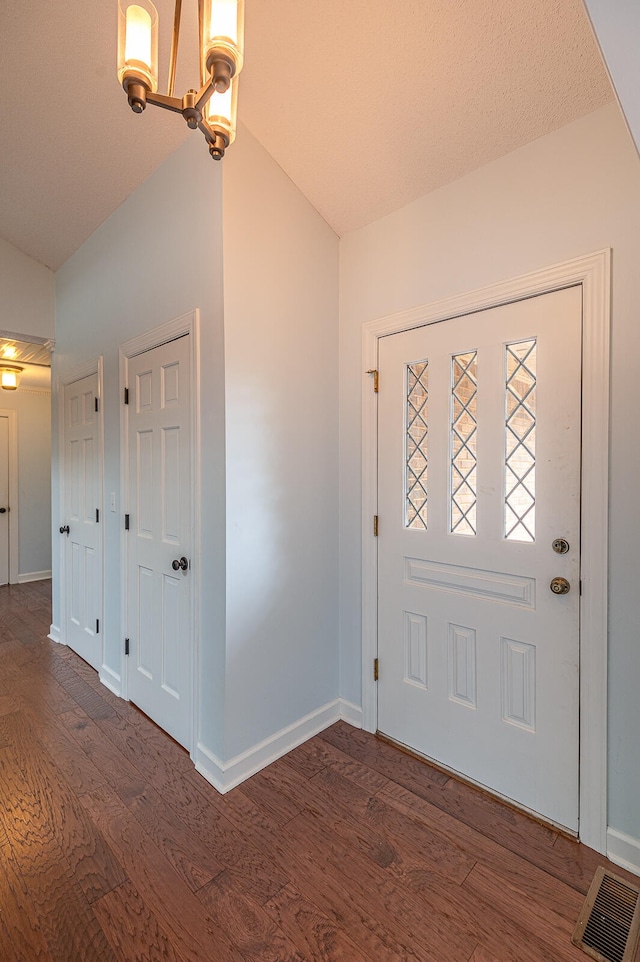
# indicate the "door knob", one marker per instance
pixel 560 586
pixel 3 510
pixel 64 529
pixel 182 563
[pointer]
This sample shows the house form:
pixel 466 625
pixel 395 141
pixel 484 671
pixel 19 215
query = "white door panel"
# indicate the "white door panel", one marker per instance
pixel 479 470
pixel 159 597
pixel 83 514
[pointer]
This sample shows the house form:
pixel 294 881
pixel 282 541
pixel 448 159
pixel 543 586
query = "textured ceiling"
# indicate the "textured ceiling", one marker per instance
pixel 366 105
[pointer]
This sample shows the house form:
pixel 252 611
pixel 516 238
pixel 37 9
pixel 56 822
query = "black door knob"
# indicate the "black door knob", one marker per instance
pixel 182 563
pixel 3 510
pixel 64 529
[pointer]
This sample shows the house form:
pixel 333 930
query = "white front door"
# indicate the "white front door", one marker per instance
pixel 4 501
pixel 479 510
pixel 159 580
pixel 81 526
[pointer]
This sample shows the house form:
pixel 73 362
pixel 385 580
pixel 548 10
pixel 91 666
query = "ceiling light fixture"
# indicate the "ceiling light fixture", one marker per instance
pixel 9 377
pixel 213 107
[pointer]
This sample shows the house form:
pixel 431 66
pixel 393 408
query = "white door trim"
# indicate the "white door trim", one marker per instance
pixel 14 539
pixel 593 273
pixel 86 369
pixel 186 324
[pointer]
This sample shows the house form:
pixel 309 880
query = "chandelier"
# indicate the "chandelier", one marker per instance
pixel 213 107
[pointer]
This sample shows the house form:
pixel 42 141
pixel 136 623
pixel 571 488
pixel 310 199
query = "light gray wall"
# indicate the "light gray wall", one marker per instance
pixel 617 27
pixel 157 257
pixel 34 477
pixel 26 294
pixel 269 387
pixel 281 343
pixel 572 192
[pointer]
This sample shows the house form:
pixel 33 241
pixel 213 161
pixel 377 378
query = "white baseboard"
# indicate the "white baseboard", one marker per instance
pixel 211 768
pixel 226 775
pixel 34 576
pixel 54 635
pixel 351 713
pixel 624 850
pixel 111 680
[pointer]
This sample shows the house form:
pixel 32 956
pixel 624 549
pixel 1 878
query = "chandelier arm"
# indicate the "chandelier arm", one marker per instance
pixel 204 94
pixel 162 100
pixel 175 39
pixel 208 135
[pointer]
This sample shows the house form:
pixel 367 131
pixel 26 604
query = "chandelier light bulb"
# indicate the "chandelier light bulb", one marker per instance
pixel 138 44
pixel 138 35
pixel 223 41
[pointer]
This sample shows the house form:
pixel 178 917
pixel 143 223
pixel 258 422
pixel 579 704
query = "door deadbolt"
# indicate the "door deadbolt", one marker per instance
pixel 181 563
pixel 560 545
pixel 560 586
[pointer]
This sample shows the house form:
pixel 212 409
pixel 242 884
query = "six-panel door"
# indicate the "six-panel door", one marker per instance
pixel 159 504
pixel 82 504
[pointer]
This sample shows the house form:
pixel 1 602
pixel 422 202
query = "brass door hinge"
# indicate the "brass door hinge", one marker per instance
pixel 375 669
pixel 375 526
pixel 376 379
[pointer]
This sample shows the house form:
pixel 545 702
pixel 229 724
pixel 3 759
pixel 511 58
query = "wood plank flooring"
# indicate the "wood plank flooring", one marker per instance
pixel 113 849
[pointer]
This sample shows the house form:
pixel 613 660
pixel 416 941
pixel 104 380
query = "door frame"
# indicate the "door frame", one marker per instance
pixel 170 331
pixel 14 539
pixel 593 273
pixel 86 369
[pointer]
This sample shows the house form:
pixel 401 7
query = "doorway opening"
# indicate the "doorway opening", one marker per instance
pixel 25 459
pixel 592 275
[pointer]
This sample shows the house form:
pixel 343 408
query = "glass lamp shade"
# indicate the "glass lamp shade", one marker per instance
pixel 223 34
pixel 9 378
pixel 221 111
pixel 138 43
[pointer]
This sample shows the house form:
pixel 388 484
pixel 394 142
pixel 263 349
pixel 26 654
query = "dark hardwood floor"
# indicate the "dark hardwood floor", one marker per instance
pixel 113 848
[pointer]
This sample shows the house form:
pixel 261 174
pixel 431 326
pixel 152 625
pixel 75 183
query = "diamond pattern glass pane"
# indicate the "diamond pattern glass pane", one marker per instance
pixel 464 434
pixel 416 445
pixel 520 451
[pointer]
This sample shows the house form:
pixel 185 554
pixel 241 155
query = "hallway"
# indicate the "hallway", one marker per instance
pixel 114 849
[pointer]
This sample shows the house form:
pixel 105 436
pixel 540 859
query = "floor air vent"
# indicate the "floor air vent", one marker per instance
pixel 609 923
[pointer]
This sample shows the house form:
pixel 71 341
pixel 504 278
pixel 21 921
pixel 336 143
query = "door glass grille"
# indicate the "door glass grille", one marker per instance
pixel 416 445
pixel 520 447
pixel 464 433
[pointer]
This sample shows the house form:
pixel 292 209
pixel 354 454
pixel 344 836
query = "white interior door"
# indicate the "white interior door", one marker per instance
pixel 479 486
pixel 82 520
pixel 4 501
pixel 159 581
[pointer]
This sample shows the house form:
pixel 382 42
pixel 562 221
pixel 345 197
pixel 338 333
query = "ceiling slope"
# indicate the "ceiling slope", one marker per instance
pixel 366 105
